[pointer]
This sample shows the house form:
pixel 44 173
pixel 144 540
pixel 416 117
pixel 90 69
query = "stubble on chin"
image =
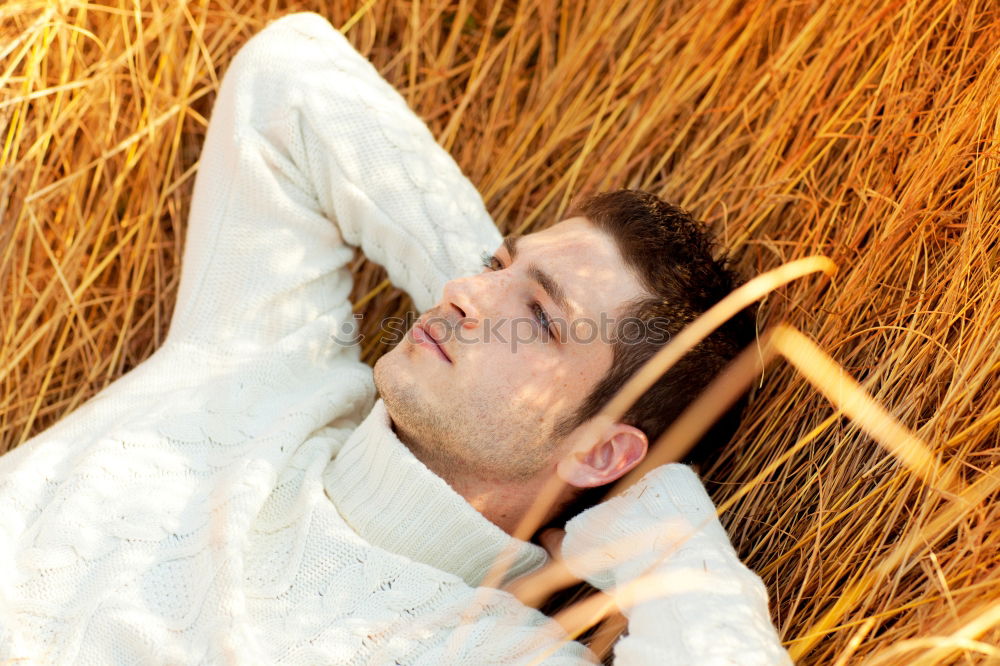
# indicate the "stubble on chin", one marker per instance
pixel 433 436
pixel 438 437
pixel 413 418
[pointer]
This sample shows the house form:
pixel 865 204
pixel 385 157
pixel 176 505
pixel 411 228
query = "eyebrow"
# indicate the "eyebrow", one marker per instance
pixel 544 280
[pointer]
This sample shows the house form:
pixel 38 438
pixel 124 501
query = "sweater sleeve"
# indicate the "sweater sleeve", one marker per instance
pixel 308 152
pixel 661 552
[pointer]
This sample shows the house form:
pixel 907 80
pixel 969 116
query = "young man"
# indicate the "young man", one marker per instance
pixel 241 497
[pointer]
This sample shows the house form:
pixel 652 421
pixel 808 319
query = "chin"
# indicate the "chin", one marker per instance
pixel 395 383
pixel 382 373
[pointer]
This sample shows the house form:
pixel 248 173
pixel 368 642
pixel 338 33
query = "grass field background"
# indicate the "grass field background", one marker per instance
pixel 866 132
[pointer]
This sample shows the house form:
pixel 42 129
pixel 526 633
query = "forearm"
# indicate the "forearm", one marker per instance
pixel 371 163
pixel 310 151
pixel 660 551
pixel 701 606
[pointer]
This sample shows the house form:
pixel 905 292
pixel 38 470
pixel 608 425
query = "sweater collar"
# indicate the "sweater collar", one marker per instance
pixel 393 501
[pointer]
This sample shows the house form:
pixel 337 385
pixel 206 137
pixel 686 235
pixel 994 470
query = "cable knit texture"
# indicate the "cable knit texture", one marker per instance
pixel 240 497
pixel 662 553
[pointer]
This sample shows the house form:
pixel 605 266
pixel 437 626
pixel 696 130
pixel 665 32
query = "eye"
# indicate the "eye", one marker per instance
pixel 541 315
pixel 490 261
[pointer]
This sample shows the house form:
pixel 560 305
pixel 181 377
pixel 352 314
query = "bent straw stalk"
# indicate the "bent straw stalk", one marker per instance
pixel 821 371
pixel 553 577
pixel 650 371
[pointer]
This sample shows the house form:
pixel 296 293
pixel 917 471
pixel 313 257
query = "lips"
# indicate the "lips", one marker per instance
pixel 424 337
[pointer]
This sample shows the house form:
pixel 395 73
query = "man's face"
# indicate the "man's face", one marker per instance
pixel 480 381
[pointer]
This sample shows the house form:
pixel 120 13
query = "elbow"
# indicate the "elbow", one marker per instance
pixel 291 47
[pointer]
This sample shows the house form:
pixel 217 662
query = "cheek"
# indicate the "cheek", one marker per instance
pixel 550 384
pixel 514 379
pixel 588 366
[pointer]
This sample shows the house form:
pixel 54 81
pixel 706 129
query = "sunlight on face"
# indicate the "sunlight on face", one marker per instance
pixel 481 380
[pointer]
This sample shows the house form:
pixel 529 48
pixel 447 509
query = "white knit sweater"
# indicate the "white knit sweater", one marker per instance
pixel 238 498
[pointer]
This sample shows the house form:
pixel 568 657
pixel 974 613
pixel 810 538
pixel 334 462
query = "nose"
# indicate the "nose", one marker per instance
pixel 466 297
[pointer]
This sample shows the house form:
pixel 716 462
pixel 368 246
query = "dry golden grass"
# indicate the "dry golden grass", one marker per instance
pixel 868 134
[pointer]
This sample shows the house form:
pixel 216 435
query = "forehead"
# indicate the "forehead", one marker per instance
pixel 585 262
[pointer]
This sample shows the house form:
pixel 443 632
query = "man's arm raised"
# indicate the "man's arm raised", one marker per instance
pixel 661 552
pixel 308 152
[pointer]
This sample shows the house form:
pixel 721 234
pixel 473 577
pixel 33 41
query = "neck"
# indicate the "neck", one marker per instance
pixel 393 501
pixel 503 504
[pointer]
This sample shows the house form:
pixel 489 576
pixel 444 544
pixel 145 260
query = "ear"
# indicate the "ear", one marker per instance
pixel 617 451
